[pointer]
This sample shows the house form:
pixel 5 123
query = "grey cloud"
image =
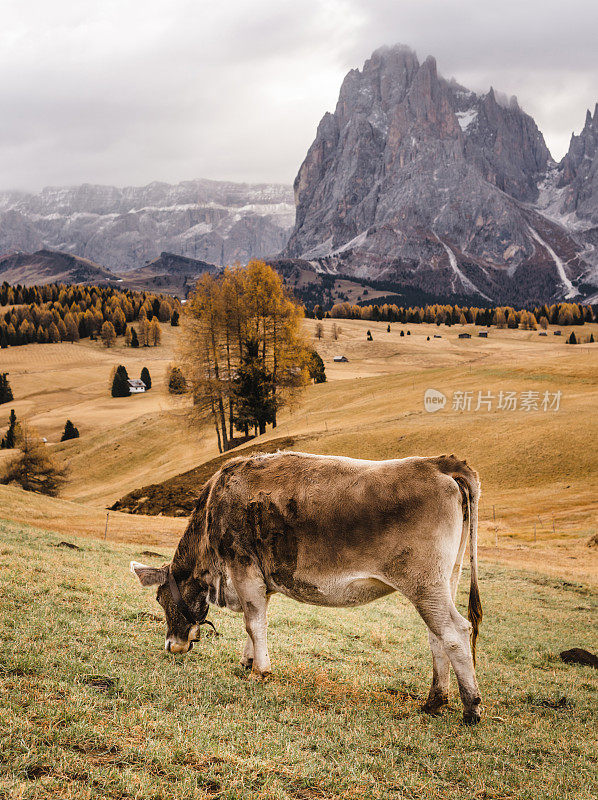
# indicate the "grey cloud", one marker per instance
pixel 130 91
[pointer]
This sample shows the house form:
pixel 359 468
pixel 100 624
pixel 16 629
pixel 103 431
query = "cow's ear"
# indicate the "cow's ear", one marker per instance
pixel 150 576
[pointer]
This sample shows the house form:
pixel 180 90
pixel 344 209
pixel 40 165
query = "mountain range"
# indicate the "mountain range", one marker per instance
pixel 123 229
pixel 413 181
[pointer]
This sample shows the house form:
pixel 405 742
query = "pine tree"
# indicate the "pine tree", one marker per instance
pixel 10 439
pixel 572 339
pixel 369 336
pixel 591 339
pixel 70 432
pixel 174 319
pixel 176 381
pixel 254 404
pixel 146 378
pixel 317 371
pixel 5 390
pixel 120 383
pixel 35 469
pixel 134 339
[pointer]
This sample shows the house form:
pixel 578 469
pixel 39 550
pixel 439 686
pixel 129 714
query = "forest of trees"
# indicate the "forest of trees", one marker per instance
pixel 501 317
pixel 60 313
pixel 242 351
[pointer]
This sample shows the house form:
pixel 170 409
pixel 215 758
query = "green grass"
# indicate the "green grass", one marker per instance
pixel 340 719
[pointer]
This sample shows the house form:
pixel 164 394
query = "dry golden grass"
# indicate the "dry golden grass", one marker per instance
pixel 538 469
pixel 74 519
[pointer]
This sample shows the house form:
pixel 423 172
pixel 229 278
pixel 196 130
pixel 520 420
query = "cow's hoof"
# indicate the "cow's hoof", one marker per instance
pixel 433 709
pixel 246 663
pixel 434 703
pixel 261 677
pixel 471 717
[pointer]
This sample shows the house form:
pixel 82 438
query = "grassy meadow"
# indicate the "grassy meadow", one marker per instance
pixel 92 707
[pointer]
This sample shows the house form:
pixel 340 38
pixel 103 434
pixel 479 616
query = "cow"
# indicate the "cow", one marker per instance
pixel 330 531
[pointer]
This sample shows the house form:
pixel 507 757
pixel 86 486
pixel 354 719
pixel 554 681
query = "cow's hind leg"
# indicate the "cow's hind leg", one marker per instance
pixel 439 690
pixel 438 611
pixel 438 695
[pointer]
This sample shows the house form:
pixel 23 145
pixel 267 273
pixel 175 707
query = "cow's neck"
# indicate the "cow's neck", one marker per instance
pixel 195 556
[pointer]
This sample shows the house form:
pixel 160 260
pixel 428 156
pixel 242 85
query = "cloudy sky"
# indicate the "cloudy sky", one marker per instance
pixel 130 91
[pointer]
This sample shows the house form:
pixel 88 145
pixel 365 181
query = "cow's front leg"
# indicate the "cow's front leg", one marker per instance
pixel 256 625
pixel 251 590
pixel 247 657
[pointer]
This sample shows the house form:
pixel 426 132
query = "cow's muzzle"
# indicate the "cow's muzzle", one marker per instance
pixel 175 646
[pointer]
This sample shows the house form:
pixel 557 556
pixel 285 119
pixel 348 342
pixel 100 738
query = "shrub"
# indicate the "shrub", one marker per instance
pixel 70 432
pixel 10 439
pixel 317 371
pixel 176 381
pixel 35 470
pixel 5 390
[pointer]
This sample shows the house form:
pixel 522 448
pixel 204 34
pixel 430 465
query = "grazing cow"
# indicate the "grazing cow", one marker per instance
pixel 330 531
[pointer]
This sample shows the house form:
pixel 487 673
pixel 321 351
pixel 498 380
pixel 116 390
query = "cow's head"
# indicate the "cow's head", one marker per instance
pixel 185 613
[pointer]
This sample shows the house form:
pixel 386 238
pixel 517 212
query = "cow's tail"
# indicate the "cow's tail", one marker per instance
pixel 474 609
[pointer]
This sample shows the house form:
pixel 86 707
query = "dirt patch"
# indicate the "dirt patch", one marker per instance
pixel 36 771
pixel 177 496
pixel 101 682
pixel 557 704
pixel 579 656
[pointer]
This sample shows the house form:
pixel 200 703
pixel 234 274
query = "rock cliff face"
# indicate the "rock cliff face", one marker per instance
pixel 416 179
pixel 211 221
pixel 578 172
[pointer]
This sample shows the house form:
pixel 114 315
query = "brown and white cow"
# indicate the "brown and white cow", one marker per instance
pixel 330 531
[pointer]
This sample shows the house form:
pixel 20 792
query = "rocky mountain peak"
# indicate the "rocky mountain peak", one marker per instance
pixel 416 178
pixel 579 171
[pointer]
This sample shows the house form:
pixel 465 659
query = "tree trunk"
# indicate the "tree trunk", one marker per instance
pixel 225 442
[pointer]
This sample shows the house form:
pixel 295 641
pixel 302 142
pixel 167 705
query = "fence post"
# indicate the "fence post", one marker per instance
pixel 106 528
pixel 495 528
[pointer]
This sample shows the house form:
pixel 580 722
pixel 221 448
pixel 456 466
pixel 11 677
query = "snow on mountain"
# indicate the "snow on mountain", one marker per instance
pixel 218 222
